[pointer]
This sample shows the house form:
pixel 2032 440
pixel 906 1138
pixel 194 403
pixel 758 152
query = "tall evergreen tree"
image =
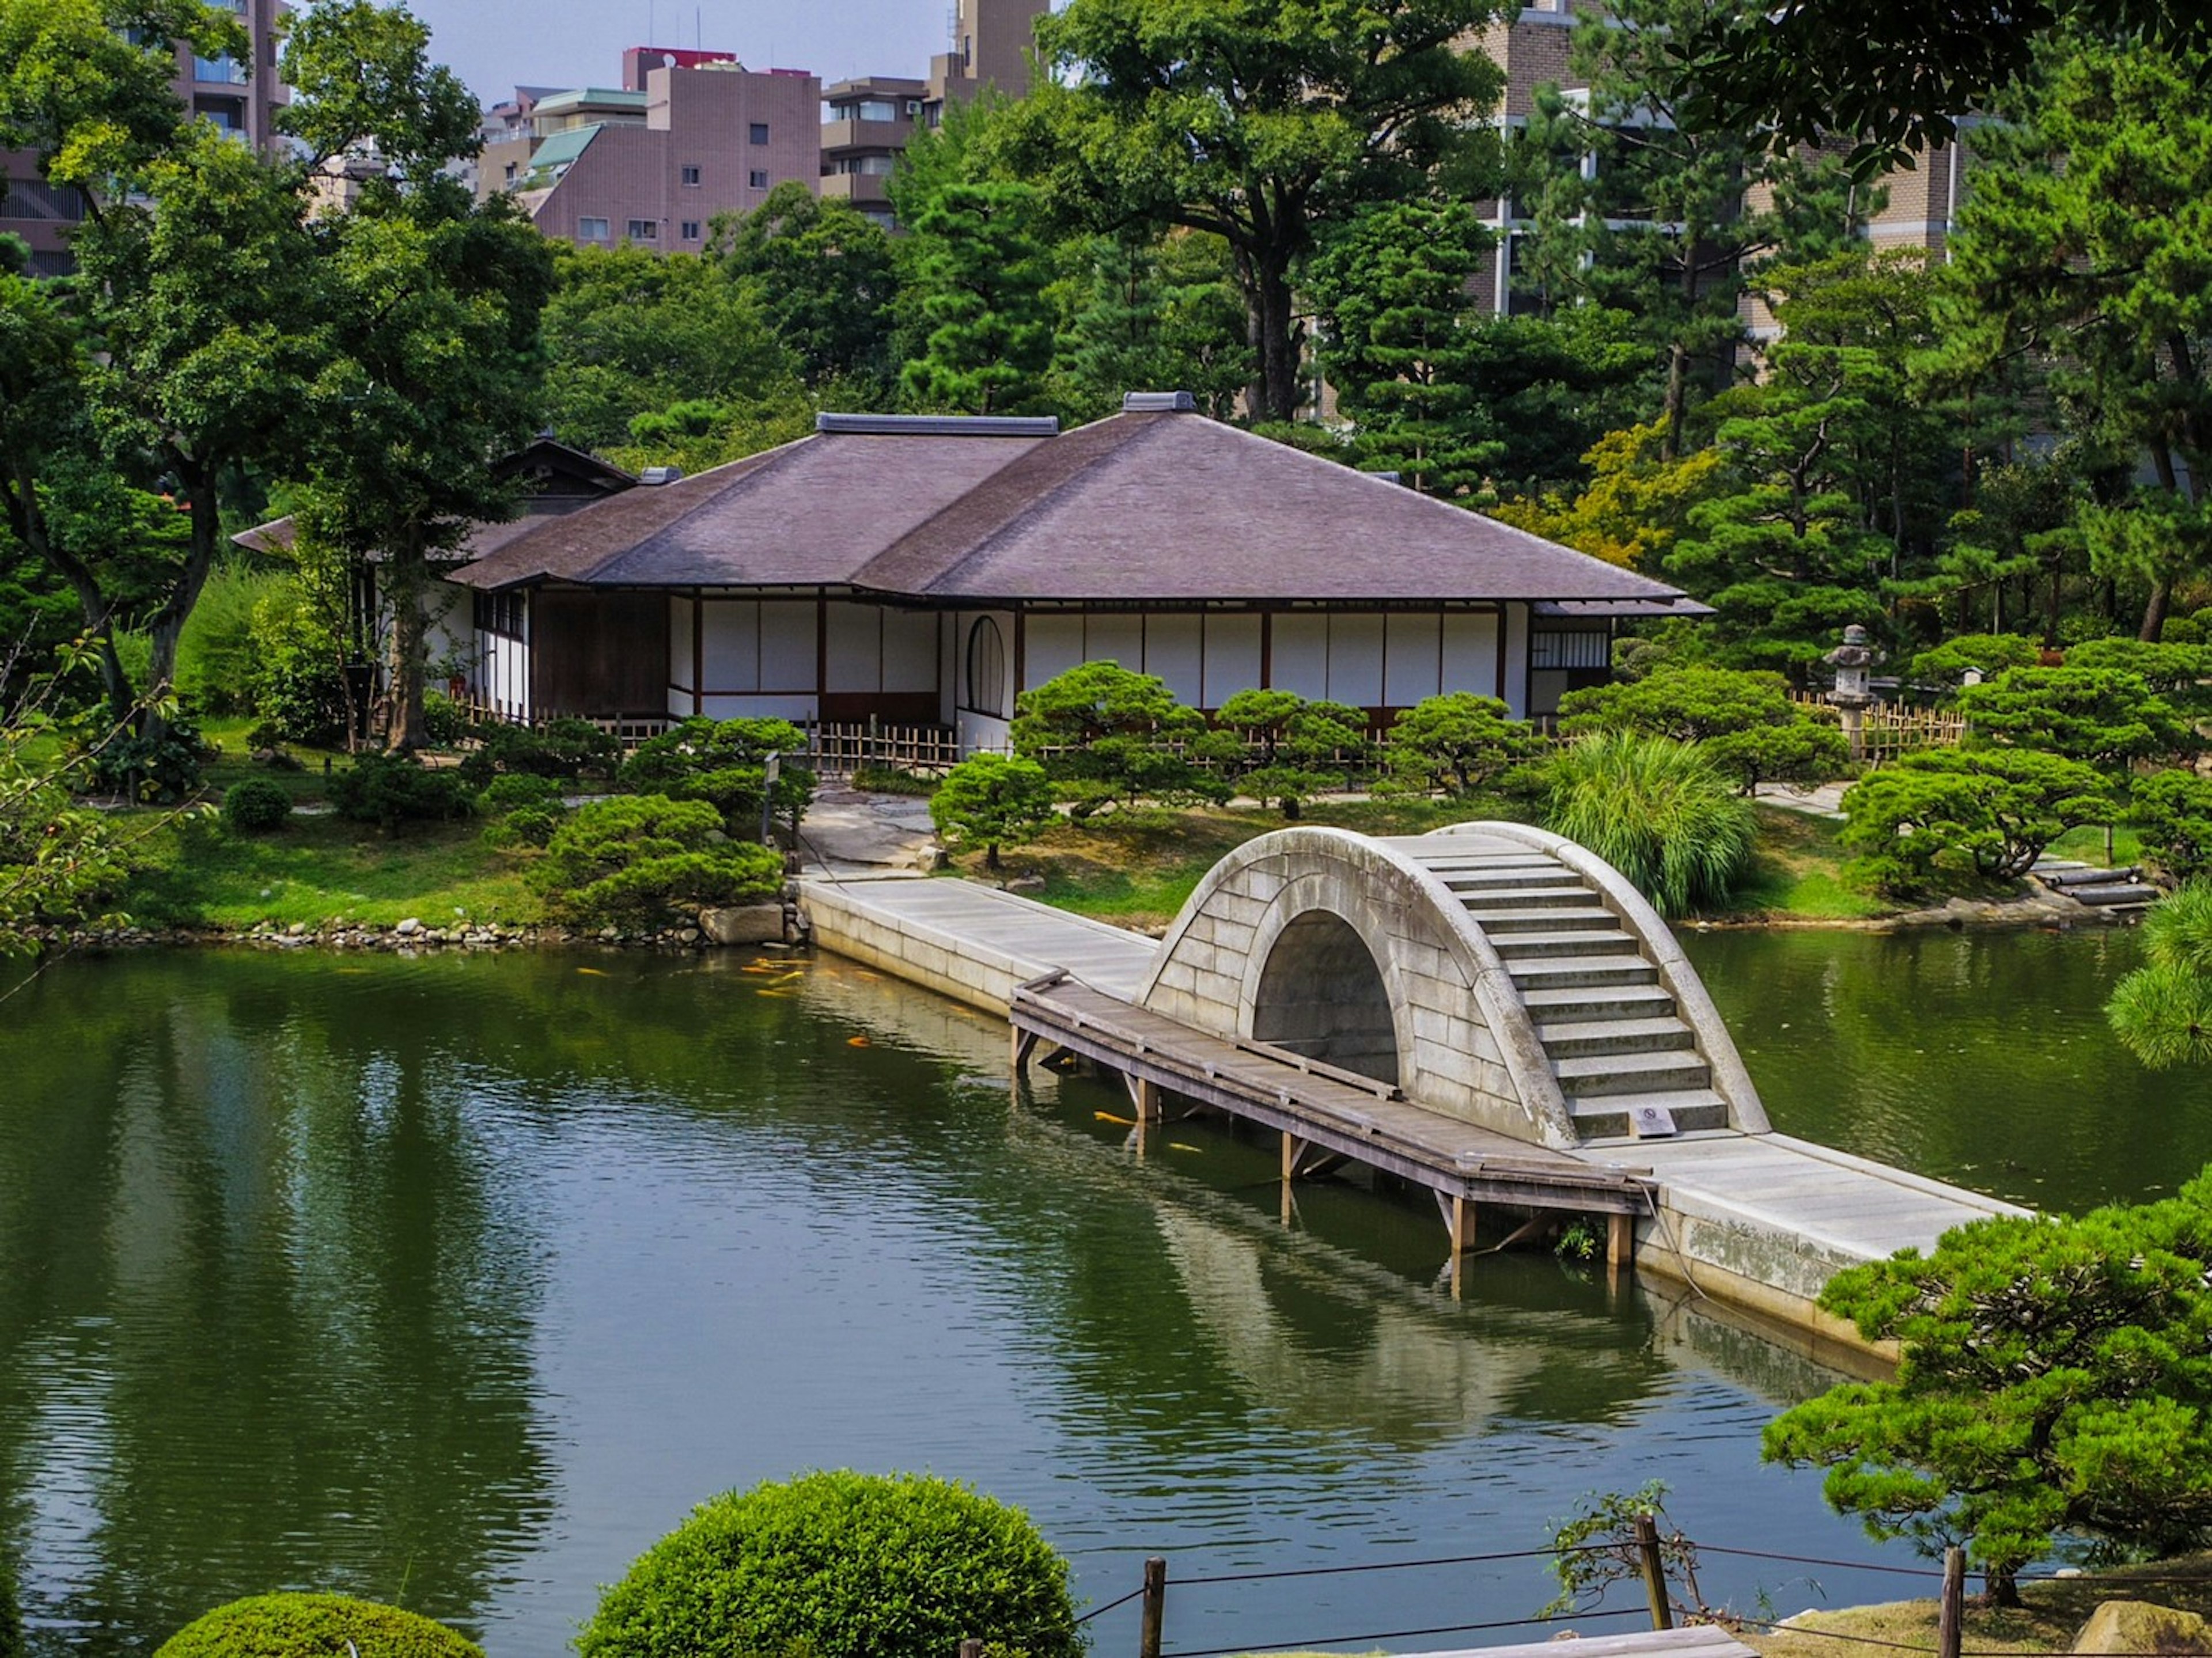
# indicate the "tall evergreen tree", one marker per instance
pixel 980 269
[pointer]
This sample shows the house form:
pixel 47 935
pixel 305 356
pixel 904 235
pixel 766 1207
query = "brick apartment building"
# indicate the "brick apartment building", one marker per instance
pixel 866 122
pixel 688 135
pixel 240 97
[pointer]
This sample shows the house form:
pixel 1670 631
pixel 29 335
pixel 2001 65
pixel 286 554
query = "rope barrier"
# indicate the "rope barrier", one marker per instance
pixel 1393 1635
pixel 1390 1565
pixel 1814 1560
pixel 1099 1611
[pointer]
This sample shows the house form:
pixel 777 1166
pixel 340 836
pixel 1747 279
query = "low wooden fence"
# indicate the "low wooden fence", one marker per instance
pixel 1889 729
pixel 839 749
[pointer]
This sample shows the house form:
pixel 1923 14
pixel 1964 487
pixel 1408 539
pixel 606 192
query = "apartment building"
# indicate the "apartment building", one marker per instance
pixel 688 135
pixel 241 95
pixel 867 122
pixel 1533 47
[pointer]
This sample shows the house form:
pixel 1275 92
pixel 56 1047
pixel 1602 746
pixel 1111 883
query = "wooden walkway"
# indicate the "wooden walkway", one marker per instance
pixel 1321 1111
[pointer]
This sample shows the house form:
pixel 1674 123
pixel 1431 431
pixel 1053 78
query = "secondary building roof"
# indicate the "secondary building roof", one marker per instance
pixel 1149 505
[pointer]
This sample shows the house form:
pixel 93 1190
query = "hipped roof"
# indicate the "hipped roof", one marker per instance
pixel 1163 507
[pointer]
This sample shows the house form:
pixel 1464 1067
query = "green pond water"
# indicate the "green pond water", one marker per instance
pixel 457 1281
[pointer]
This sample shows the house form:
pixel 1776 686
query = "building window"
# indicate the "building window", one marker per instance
pixel 759 133
pixel 690 230
pixel 510 172
pixel 986 667
pixel 691 177
pixel 1550 649
pixel 757 179
pixel 644 230
pixel 591 230
pixel 501 613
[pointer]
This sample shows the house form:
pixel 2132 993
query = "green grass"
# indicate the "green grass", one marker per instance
pixel 1797 872
pixel 2088 844
pixel 197 873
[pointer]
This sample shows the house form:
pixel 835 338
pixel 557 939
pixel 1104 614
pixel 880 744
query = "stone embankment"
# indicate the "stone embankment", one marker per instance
pixel 754 925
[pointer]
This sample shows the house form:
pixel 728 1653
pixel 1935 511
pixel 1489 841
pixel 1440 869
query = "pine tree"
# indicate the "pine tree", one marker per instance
pixel 981 270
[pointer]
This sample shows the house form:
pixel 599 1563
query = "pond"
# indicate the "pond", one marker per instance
pixel 457 1281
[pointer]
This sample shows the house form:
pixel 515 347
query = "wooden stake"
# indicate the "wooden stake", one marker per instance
pixel 1619 1241
pixel 1950 1614
pixel 1155 1607
pixel 971 1648
pixel 1655 1572
pixel 1462 1226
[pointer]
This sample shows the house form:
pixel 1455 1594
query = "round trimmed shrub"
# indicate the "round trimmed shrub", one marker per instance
pixel 842 1565
pixel 314 1626
pixel 256 806
pixel 513 790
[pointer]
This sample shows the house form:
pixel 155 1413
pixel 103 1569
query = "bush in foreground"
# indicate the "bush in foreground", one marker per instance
pixel 1659 811
pixel 391 789
pixel 256 806
pixel 2162 1011
pixel 842 1565
pixel 644 860
pixel 724 763
pixel 1983 814
pixel 990 800
pixel 314 1626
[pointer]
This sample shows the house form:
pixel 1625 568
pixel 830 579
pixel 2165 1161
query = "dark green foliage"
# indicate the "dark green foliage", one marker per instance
pixel 1456 742
pixel 990 800
pixel 1989 654
pixel 2163 1010
pixel 1104 734
pixel 2171 669
pixel 297 678
pixel 525 826
pixel 1745 721
pixel 645 860
pixel 256 805
pixel 215 653
pixel 445 722
pixel 824 277
pixel 515 790
pixel 842 1565
pixel 979 272
pixel 1288 749
pixel 314 1626
pixel 156 760
pixel 1659 811
pixel 1983 814
pixel 567 748
pixel 1154 316
pixel 2173 809
pixel 724 763
pixel 388 790
pixel 2102 717
pixel 2055 1379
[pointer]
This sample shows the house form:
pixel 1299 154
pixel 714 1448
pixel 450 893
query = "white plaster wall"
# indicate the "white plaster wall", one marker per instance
pixel 1355 659
pixel 1470 652
pixel 1232 657
pixel 449 625
pixel 1117 637
pixel 730 645
pixel 1174 653
pixel 1412 656
pixel 792 707
pixel 910 651
pixel 1299 658
pixel 1052 645
pixel 948 667
pixel 788 659
pixel 984 730
pixel 1517 661
pixel 856 647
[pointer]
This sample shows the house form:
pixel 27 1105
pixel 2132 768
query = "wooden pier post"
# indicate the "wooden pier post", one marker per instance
pixel 1654 1572
pixel 1155 1607
pixel 1145 1096
pixel 1619 1241
pixel 1950 1611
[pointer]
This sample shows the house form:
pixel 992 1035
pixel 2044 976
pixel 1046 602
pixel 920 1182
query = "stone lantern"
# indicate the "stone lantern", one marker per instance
pixel 1853 661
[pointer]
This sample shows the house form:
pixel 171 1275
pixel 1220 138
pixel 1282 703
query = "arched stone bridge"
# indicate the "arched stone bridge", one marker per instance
pixel 1495 973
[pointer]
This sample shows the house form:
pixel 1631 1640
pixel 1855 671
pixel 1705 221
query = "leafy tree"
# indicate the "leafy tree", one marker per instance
pixel 2162 1011
pixel 1745 722
pixel 1984 653
pixel 724 763
pixel 1392 285
pixel 2174 672
pixel 59 862
pixel 842 1565
pixel 2054 1381
pixel 1456 742
pixel 1658 811
pixel 980 270
pixel 1635 506
pixel 1104 734
pixel 826 280
pixel 991 801
pixel 1254 122
pixel 645 860
pixel 2173 811
pixel 1288 749
pixel 1154 314
pixel 2079 242
pixel 631 333
pixel 2102 716
pixel 1986 813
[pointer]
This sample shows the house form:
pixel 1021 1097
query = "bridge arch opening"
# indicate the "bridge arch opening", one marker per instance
pixel 1321 994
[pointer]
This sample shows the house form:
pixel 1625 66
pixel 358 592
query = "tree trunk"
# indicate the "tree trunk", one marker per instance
pixel 406 570
pixel 1677 406
pixel 167 626
pixel 2153 621
pixel 2003 1586
pixel 1278 386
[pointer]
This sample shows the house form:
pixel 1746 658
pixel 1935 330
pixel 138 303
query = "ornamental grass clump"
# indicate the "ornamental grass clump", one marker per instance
pixel 842 1564
pixel 1658 811
pixel 294 1625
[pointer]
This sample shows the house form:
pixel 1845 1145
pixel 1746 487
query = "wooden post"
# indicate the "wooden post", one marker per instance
pixel 1155 1607
pixel 1952 1610
pixel 1462 1226
pixel 971 1648
pixel 1654 1572
pixel 1146 1098
pixel 1619 1241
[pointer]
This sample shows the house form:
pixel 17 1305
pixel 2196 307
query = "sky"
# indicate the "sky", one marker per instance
pixel 497 45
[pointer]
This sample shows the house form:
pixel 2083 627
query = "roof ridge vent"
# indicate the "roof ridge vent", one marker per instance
pixel 1158 403
pixel 939 426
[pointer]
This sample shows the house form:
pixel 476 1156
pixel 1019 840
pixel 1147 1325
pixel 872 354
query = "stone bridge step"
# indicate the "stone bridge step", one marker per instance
pixel 1566 972
pixel 1499 922
pixel 1573 1038
pixel 1524 880
pixel 1520 897
pixel 1589 1077
pixel 1606 1117
pixel 1514 947
pixel 1571 1007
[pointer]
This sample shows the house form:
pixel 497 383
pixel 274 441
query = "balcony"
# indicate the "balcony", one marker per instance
pixel 837 135
pixel 855 187
pixel 223 71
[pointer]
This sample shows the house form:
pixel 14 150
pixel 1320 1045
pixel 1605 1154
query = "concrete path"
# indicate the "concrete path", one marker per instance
pixel 851 835
pixel 1823 800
